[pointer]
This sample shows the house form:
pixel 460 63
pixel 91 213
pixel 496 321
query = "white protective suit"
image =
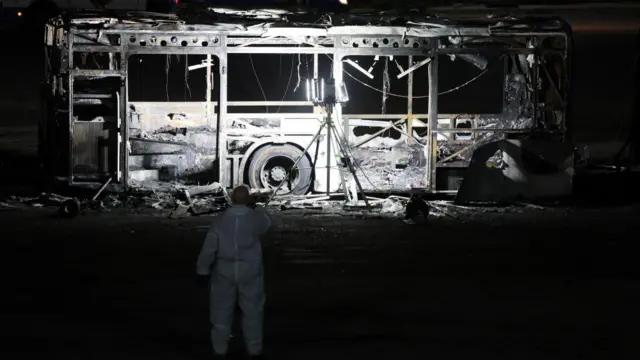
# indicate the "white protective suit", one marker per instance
pixel 232 255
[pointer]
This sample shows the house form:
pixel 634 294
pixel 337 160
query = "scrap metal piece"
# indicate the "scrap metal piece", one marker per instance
pixel 106 183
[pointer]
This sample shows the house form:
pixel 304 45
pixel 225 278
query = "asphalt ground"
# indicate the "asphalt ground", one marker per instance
pixel 533 284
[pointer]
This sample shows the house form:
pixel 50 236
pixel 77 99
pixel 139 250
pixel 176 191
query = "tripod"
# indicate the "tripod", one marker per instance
pixel 329 125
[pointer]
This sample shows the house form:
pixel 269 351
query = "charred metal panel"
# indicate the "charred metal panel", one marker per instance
pixel 388 162
pixel 518 107
pixel 149 147
pixel 157 161
pixel 249 123
pixel 152 116
pixel 528 169
pixel 255 127
pixel 397 168
pixel 172 133
pixel 90 148
pixel 516 117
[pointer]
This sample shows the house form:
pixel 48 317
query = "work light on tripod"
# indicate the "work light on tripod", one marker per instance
pixel 326 92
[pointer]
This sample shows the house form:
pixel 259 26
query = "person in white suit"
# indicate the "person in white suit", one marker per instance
pixel 231 258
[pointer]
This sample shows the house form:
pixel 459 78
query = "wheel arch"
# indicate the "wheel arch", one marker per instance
pixel 246 159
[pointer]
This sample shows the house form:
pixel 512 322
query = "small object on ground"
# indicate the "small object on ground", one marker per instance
pixel 180 211
pixel 416 207
pixel 70 208
pixel 187 197
pixel 285 207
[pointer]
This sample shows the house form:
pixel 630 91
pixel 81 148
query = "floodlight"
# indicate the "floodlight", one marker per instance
pixel 326 92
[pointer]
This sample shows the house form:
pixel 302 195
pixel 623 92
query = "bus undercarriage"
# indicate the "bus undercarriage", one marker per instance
pixel 99 124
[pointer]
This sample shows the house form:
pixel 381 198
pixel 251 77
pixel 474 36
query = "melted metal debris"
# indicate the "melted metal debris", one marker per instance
pixel 393 207
pixel 194 200
pixel 45 199
pixel 236 19
pixel 182 199
pixel 179 200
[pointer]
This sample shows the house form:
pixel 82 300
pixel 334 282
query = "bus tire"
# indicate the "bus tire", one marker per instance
pixel 271 164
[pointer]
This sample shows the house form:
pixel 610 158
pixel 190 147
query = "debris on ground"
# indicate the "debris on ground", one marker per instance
pixel 45 199
pixel 181 210
pixel 6 206
pixel 394 206
pixel 67 206
pixel 182 200
pixel 174 197
pixel 178 200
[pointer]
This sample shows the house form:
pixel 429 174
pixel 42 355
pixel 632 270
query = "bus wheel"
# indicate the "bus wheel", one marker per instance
pixel 272 164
